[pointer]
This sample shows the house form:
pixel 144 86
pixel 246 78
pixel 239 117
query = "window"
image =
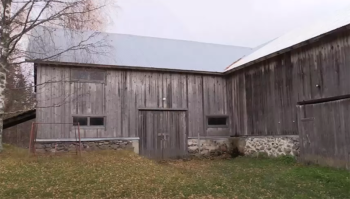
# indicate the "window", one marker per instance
pixel 217 121
pixel 83 121
pixel 88 121
pixel 88 75
pixel 97 121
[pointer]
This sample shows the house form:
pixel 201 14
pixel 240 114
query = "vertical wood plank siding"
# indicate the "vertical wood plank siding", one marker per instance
pixel 162 134
pixel 120 97
pixel 324 133
pixel 263 97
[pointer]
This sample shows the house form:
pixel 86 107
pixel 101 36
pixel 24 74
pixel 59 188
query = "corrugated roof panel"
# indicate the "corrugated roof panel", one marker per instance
pixel 131 50
pixel 297 36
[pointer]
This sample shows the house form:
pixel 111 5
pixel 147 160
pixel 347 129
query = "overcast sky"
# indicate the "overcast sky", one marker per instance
pixel 231 22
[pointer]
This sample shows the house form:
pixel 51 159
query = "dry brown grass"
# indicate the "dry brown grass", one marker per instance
pixel 122 174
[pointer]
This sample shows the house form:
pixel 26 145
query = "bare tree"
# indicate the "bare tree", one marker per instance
pixel 19 93
pixel 19 17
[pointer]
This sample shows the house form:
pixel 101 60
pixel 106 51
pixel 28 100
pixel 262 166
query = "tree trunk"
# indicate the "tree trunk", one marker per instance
pixel 4 62
pixel 2 97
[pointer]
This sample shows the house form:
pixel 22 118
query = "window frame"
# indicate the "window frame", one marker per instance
pixel 217 126
pixel 89 71
pixel 88 121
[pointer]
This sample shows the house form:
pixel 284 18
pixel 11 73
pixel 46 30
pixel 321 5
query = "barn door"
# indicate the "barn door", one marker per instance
pixel 324 130
pixel 162 134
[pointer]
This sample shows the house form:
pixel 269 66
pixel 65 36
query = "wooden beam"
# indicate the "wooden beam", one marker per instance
pixel 323 100
pixel 29 115
pixel 162 109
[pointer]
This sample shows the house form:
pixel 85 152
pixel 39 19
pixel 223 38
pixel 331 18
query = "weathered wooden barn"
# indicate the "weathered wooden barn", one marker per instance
pixel 155 93
pixel 298 84
pixel 290 95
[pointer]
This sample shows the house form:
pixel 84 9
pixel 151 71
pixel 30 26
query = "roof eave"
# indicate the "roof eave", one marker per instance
pixel 120 67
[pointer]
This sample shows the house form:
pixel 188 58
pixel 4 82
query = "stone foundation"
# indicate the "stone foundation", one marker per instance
pixel 67 146
pixel 271 146
pixel 209 147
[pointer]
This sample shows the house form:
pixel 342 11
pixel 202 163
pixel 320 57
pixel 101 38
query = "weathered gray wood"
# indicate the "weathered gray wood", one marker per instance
pixel 264 95
pixel 195 105
pixel 325 136
pixel 121 96
pixel 162 134
pixel 260 99
pixel 18 135
pixel 263 102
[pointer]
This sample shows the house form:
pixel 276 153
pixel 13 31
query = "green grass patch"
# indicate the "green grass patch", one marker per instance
pixel 122 174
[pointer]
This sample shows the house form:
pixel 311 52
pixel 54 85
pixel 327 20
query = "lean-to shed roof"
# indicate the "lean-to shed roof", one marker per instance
pixel 295 37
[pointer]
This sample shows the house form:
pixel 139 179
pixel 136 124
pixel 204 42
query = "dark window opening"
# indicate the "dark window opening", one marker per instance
pixel 88 121
pixel 83 121
pixel 217 121
pixel 97 121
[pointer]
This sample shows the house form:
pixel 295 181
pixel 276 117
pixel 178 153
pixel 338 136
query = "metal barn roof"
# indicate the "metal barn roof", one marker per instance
pixel 295 37
pixel 131 50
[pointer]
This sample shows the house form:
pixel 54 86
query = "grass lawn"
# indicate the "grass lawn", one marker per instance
pixel 122 174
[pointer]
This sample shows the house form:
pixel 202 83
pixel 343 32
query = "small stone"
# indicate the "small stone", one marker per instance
pixel 279 150
pixel 204 152
pixel 223 148
pixel 192 148
pixel 122 145
pixel 287 150
pixel 60 148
